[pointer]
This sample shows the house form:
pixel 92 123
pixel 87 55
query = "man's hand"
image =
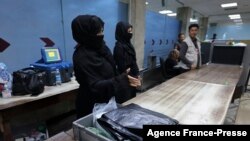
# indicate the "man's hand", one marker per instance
pixel 193 67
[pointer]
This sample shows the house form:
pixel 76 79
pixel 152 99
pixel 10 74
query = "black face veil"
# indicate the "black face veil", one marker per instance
pixel 121 33
pixel 85 29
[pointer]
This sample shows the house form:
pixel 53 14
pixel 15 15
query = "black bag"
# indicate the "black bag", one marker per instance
pixel 128 121
pixel 118 132
pixel 28 81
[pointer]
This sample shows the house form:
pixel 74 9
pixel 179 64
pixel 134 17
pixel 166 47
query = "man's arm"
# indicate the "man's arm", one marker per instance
pixel 183 51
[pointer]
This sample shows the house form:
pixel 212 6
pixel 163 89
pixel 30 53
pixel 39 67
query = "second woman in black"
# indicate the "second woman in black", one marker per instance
pixel 124 53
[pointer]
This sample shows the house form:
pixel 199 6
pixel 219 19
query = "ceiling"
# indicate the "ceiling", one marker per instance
pixel 207 8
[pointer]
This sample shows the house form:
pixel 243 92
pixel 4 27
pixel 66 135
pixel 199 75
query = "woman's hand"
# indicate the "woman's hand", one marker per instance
pixel 134 82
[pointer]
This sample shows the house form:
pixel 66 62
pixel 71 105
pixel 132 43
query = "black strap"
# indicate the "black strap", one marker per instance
pixel 115 129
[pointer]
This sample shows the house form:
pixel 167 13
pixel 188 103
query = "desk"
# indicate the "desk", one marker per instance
pixel 194 97
pixel 19 105
pixel 190 102
pixel 215 73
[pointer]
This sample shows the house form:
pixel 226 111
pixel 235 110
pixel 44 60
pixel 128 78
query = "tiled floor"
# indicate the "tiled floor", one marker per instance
pixel 243 114
pixel 239 111
pixel 232 112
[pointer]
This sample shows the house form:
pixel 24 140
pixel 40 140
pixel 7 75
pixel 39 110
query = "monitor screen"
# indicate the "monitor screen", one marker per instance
pixel 51 55
pixel 232 55
pixel 205 52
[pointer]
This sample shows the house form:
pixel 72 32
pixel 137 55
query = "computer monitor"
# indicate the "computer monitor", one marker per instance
pixel 205 52
pixel 232 55
pixel 51 55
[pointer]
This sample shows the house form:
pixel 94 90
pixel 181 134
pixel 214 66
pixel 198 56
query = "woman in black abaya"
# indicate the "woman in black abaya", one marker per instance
pixel 94 66
pixel 124 54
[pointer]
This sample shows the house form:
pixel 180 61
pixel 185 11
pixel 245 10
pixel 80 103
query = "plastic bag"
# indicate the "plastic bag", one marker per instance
pixel 5 76
pixel 134 116
pixel 117 132
pixel 102 108
pixel 128 121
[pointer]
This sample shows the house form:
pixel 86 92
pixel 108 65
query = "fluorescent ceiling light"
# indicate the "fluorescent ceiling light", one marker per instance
pixel 227 5
pixel 235 16
pixel 193 20
pixel 172 14
pixel 165 12
pixel 146 3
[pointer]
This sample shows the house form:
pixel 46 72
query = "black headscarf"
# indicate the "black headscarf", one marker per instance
pixel 84 30
pixel 122 36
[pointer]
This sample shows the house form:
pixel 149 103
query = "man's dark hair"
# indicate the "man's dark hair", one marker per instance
pixel 179 35
pixel 193 25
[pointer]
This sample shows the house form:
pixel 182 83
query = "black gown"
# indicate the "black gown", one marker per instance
pixel 94 67
pixel 124 54
pixel 169 65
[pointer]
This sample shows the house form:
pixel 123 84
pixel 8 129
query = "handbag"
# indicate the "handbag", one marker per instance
pixel 28 81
